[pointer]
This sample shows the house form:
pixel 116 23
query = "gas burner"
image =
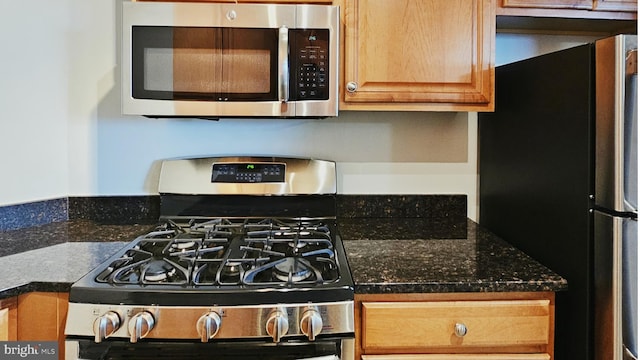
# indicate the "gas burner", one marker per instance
pixel 231 268
pixel 292 270
pixel 158 270
pixel 297 245
pixel 183 245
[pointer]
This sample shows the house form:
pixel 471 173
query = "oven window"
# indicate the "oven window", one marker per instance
pixel 196 63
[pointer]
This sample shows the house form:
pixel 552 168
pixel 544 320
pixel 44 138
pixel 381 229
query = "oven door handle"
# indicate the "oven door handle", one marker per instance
pixel 283 64
pixel 327 357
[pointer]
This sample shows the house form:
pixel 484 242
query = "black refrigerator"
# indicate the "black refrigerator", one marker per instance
pixel 558 179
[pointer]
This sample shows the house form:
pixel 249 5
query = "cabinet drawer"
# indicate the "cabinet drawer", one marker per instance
pixel 459 357
pixel 552 4
pixel 521 325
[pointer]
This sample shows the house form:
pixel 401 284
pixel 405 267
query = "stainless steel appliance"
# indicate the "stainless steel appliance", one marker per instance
pixel 558 178
pixel 229 60
pixel 246 262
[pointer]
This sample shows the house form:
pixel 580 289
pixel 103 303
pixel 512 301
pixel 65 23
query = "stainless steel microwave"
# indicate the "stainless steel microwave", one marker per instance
pixel 229 60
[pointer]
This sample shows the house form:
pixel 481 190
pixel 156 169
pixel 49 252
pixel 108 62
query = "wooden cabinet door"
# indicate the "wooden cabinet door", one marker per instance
pixel 598 5
pixel 8 319
pixel 437 53
pixel 550 4
pixel 42 316
pixel 616 5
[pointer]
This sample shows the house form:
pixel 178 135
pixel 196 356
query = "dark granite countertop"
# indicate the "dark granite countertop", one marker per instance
pixel 395 256
pixel 35 237
pixel 429 257
pixel 52 268
pixel 51 257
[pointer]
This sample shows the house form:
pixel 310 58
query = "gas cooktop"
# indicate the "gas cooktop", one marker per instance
pixel 293 257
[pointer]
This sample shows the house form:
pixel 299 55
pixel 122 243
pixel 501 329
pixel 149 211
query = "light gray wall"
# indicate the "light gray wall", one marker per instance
pixel 63 134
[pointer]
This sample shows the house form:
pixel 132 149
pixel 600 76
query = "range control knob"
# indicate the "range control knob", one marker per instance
pixel 277 325
pixel 140 325
pixel 107 324
pixel 311 323
pixel 208 325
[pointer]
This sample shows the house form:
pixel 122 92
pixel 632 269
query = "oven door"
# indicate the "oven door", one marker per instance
pixel 323 349
pixel 223 60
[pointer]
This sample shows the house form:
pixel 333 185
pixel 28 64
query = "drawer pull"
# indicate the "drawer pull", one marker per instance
pixel 460 330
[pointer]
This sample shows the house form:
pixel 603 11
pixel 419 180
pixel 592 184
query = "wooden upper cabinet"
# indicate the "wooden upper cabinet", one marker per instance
pixel 418 55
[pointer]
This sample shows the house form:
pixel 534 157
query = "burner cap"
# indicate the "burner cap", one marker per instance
pixel 291 265
pixel 231 268
pixel 157 271
pixel 183 245
pixel 297 244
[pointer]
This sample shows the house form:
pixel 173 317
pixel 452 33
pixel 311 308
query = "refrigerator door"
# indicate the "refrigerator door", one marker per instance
pixel 616 176
pixel 616 199
pixel 616 284
pixel 630 288
pixel 629 225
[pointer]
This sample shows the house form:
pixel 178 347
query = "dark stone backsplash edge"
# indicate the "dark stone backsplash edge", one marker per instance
pixel 146 209
pixel 104 209
pixel 36 213
pixel 116 209
pixel 403 206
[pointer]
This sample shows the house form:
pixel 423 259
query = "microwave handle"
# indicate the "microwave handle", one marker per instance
pixel 283 64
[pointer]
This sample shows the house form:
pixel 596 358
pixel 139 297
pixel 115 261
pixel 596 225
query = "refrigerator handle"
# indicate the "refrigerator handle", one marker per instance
pixel 630 131
pixel 627 355
pixel 632 62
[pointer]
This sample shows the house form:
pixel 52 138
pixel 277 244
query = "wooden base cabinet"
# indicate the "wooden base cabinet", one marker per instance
pixel 41 316
pixel 9 319
pixel 465 326
pixel 459 357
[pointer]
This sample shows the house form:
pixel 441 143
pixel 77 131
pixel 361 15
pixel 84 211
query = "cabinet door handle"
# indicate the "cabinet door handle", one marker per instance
pixel 352 86
pixel 460 329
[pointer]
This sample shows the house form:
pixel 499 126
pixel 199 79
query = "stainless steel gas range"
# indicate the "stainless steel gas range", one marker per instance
pixel 245 263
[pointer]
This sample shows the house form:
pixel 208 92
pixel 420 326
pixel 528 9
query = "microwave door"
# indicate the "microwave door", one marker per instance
pixel 176 63
pixel 197 67
pixel 249 65
pixel 207 70
pixel 201 63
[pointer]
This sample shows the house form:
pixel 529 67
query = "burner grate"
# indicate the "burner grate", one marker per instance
pixel 229 252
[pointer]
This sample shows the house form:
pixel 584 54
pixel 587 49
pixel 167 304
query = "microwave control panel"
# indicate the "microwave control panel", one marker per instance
pixel 310 60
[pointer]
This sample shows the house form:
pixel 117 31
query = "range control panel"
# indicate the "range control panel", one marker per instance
pixel 248 173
